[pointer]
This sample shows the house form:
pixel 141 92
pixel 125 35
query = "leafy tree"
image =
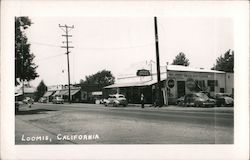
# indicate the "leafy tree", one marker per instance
pixel 102 78
pixel 25 68
pixel 181 59
pixel 225 62
pixel 40 90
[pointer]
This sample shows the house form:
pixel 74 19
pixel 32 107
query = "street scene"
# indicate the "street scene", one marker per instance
pixel 97 124
pixel 132 81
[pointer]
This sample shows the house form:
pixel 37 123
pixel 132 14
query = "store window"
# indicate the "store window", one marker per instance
pixel 212 83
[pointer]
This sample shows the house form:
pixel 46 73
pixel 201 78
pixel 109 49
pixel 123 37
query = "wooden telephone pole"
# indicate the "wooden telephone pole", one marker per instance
pixel 158 88
pixel 66 28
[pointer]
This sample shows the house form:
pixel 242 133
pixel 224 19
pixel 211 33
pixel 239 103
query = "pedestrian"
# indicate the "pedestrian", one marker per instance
pixel 142 100
pixel 29 103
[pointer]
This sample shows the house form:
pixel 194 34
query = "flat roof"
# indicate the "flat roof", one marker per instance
pixel 177 68
pixel 132 84
pixel 190 69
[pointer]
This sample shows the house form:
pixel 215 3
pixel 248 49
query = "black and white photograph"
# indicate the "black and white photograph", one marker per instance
pixel 76 85
pixel 124 79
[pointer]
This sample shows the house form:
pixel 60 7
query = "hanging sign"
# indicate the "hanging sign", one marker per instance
pixel 143 72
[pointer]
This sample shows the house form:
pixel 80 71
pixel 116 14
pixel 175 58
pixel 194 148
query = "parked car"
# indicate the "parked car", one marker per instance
pixel 43 100
pixel 224 99
pixel 103 101
pixel 180 101
pixel 28 100
pixel 116 100
pixel 198 100
pixel 57 100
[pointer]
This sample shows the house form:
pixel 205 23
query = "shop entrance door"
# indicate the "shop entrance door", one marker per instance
pixel 180 88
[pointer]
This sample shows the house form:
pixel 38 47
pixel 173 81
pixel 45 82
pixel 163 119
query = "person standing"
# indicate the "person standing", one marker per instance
pixel 142 100
pixel 29 103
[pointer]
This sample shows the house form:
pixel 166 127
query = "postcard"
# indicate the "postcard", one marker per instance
pixel 125 80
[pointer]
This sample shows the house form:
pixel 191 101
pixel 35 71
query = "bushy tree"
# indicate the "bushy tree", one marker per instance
pixel 225 62
pixel 40 90
pixel 181 59
pixel 102 78
pixel 25 68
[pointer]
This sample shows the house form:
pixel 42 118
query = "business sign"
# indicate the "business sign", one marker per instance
pixel 170 83
pixel 143 72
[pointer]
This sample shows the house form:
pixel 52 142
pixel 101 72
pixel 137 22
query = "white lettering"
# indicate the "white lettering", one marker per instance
pixel 59 137
pixel 80 137
pixel 22 139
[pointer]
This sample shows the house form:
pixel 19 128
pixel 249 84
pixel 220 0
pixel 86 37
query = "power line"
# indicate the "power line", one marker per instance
pixel 45 44
pixel 50 57
pixel 115 48
pixel 95 48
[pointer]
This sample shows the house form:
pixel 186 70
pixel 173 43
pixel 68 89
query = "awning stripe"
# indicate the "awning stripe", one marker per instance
pixel 47 94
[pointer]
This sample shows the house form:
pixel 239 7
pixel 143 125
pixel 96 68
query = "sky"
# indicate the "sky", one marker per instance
pixel 117 43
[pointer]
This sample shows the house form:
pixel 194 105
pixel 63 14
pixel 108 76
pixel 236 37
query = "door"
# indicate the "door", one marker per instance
pixel 180 88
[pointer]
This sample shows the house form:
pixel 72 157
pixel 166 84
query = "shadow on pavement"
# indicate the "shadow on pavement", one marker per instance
pixel 35 111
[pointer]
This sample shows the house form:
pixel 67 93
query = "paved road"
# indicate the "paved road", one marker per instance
pixel 96 124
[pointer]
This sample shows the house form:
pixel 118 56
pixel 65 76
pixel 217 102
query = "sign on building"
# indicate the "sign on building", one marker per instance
pixel 170 83
pixel 143 72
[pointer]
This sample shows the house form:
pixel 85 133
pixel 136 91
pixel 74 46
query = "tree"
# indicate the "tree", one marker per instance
pixel 181 59
pixel 40 90
pixel 225 63
pixel 25 68
pixel 102 78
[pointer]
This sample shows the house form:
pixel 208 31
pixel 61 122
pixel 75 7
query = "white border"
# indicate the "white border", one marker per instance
pixel 238 10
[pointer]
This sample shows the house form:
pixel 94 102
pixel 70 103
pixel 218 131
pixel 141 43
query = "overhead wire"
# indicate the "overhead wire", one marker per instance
pixel 49 57
pixel 96 48
pixel 86 48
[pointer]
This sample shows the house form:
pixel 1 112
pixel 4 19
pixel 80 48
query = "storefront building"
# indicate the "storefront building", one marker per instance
pixel 176 81
pixel 63 92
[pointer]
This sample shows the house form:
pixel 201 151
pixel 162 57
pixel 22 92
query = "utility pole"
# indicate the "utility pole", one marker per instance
pixel 158 88
pixel 66 28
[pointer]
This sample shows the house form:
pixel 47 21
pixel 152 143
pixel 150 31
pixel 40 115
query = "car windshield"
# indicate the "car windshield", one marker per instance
pixel 121 96
pixel 202 95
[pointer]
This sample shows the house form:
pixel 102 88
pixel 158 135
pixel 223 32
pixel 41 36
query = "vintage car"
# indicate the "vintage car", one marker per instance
pixel 43 100
pixel 57 100
pixel 28 100
pixel 198 100
pixel 180 101
pixel 116 100
pixel 223 99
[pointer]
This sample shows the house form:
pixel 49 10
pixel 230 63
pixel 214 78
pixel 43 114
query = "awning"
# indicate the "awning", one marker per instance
pixel 57 93
pixel 72 92
pixel 133 84
pixel 64 92
pixel 47 94
pixel 60 92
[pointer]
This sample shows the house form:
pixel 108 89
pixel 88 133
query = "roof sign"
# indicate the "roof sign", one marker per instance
pixel 143 72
